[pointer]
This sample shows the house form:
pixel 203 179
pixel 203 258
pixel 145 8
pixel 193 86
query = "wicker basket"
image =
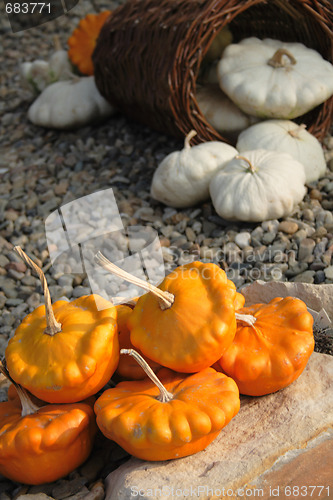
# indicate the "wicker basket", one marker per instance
pixel 149 53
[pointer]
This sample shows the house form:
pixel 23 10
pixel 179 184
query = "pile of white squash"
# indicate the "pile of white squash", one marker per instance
pixel 64 100
pixel 264 177
pixel 250 90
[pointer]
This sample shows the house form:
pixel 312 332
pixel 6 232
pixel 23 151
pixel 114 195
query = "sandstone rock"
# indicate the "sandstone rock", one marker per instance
pixel 300 471
pixel 265 428
pixel 35 496
pixel 316 297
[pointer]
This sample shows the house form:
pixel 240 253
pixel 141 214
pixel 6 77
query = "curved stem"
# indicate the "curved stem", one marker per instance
pixel 296 131
pixel 165 395
pixel 277 59
pixel 53 326
pixel 28 407
pixel 190 135
pixel 166 299
pixel 250 168
pixel 246 318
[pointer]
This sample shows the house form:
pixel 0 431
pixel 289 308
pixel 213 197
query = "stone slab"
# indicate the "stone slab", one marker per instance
pixel 265 429
pixel 307 472
pixel 316 297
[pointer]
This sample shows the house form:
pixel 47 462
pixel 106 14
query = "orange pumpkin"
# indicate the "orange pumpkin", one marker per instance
pixel 65 352
pixel 239 301
pixel 273 352
pixel 83 40
pixel 128 368
pixel 195 330
pixel 40 445
pixel 178 416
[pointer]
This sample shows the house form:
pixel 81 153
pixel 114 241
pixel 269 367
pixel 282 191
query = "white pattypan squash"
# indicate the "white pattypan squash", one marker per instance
pixel 69 104
pixel 182 178
pixel 258 185
pixel 220 111
pixel 286 136
pixel 37 75
pixel 273 79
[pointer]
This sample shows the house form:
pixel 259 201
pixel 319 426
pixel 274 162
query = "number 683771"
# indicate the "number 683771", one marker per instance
pixel 28 8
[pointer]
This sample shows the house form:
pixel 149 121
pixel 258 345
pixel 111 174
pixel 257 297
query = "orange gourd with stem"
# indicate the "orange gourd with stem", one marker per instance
pixel 42 444
pixel 273 352
pixel 188 321
pixel 67 351
pixel 169 416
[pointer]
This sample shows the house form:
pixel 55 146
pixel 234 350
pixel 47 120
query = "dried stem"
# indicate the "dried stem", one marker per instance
pixel 165 395
pixel 246 318
pixel 53 326
pixel 250 168
pixel 28 407
pixel 276 61
pixel 166 299
pixel 188 138
pixel 296 131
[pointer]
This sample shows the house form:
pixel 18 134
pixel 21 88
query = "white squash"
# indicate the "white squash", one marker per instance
pixel 69 104
pixel 258 185
pixel 286 136
pixel 220 111
pixel 273 79
pixel 182 178
pixel 37 75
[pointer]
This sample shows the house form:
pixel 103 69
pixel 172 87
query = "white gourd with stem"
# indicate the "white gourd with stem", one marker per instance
pixel 258 185
pixel 274 79
pixel 182 178
pixel 286 136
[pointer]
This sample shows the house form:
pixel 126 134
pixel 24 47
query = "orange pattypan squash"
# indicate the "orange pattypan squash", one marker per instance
pixel 168 417
pixel 239 301
pixel 196 328
pixel 273 352
pixel 128 368
pixel 40 445
pixel 83 40
pixel 66 352
pixel 188 321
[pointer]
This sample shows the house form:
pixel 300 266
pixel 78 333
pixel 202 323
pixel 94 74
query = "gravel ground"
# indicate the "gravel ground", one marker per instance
pixel 43 169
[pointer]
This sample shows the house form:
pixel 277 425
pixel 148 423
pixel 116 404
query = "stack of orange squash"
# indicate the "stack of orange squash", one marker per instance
pixel 196 347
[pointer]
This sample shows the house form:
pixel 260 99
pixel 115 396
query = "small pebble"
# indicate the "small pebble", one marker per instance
pixel 305 277
pixel 315 194
pixel 34 300
pixel 80 291
pixel 243 239
pixel 306 248
pixel 329 272
pixel 288 227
